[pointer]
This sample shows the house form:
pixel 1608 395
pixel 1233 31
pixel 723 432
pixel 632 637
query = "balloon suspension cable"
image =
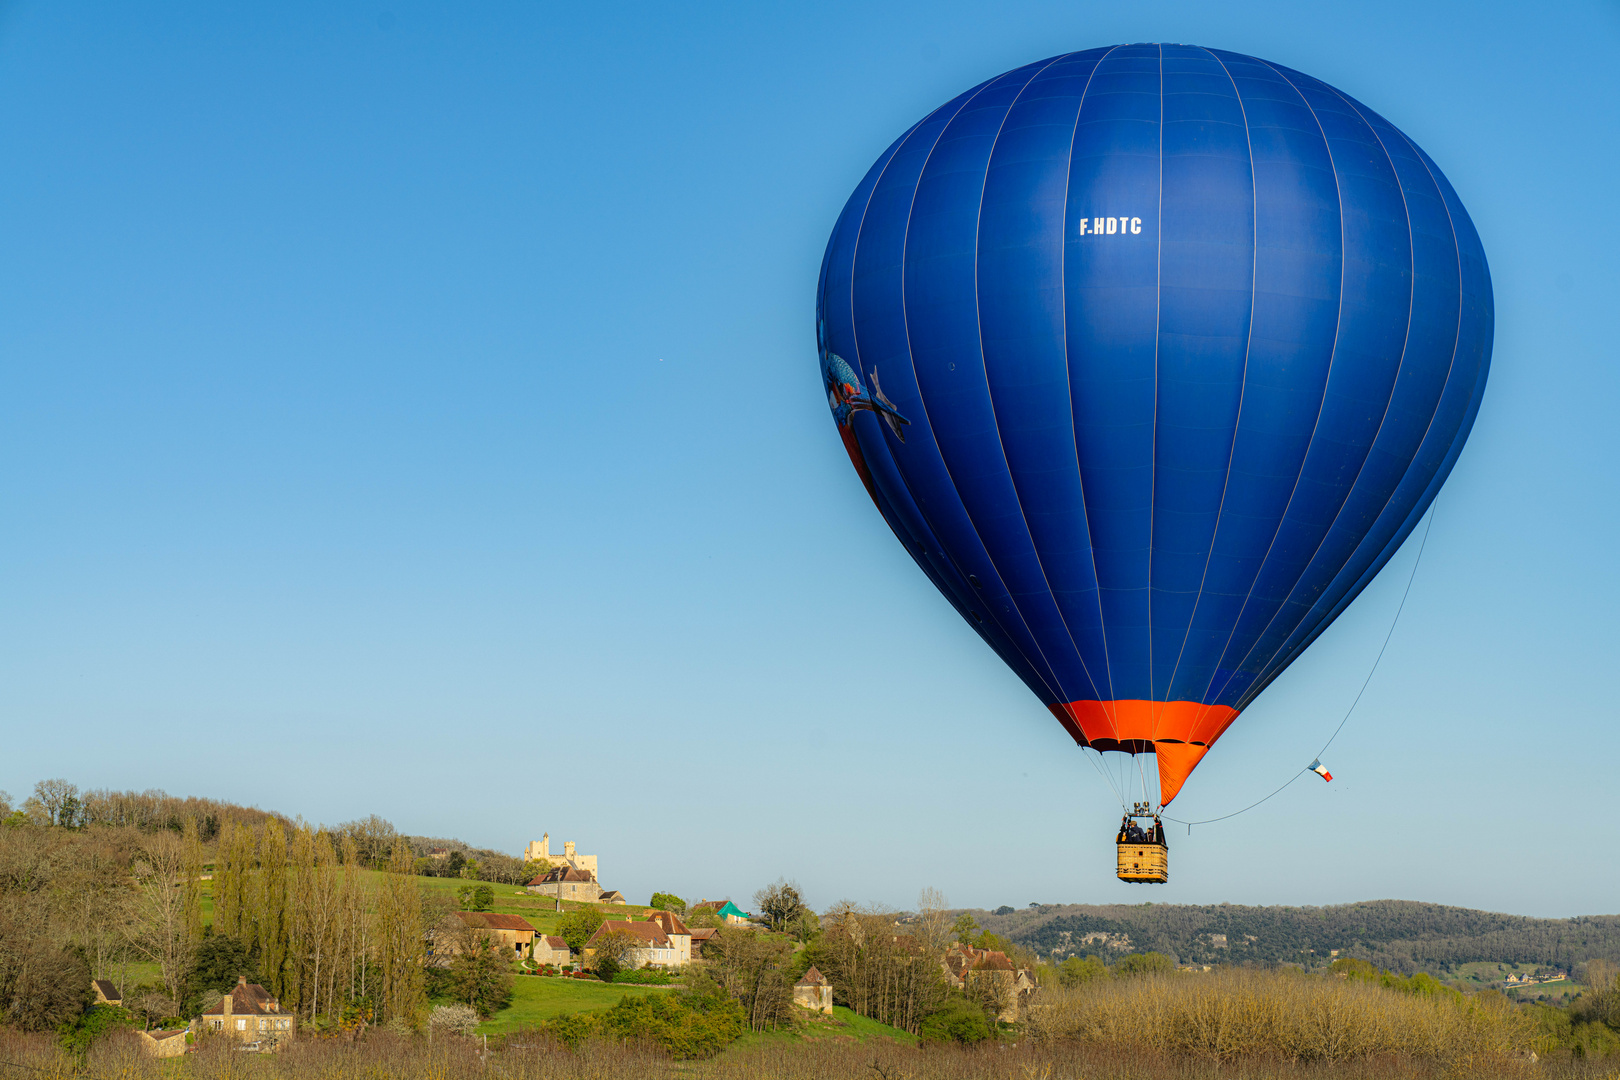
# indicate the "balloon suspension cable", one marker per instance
pixel 1364 684
pixel 1102 772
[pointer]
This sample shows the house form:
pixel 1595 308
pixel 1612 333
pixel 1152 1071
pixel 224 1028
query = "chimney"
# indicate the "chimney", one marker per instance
pixel 226 1002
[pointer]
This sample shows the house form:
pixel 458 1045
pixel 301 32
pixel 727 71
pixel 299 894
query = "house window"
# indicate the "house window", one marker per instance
pixel 241 1024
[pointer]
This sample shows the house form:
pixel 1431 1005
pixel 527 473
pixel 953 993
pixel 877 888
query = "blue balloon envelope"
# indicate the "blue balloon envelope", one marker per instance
pixel 1152 356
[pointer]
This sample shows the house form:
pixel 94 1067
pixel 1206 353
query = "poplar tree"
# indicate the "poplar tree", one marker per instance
pixel 271 916
pixel 400 941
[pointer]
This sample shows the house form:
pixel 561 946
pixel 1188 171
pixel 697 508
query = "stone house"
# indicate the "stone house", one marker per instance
pixel 612 896
pixel 654 947
pixel 250 1013
pixel 553 950
pixel 106 993
pixel 814 992
pixel 701 934
pixel 990 972
pixel 163 1043
pixel 567 883
pixel 513 932
pixel 679 936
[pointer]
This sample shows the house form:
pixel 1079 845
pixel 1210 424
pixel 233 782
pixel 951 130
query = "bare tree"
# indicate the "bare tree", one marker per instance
pixel 56 797
pixel 161 931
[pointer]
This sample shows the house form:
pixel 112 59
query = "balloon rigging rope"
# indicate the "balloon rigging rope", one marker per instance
pixel 1365 683
pixel 1102 772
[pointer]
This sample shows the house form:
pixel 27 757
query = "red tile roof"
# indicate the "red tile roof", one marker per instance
pixel 669 922
pixel 247 999
pixel 489 920
pixel 812 977
pixel 563 874
pixel 648 932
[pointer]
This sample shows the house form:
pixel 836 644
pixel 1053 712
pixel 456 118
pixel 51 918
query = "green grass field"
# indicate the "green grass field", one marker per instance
pixel 536 999
pixel 843 1025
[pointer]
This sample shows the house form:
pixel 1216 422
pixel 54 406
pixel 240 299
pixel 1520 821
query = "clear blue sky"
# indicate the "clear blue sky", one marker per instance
pixel 414 409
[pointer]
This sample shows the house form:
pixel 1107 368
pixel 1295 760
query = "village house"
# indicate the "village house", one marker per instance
pixel 106 993
pixel 540 851
pixel 567 883
pixel 250 1013
pixel 163 1043
pixel 655 946
pixel 814 992
pixel 514 933
pixel 674 929
pixel 553 950
pixel 612 896
pixel 700 935
pixel 966 967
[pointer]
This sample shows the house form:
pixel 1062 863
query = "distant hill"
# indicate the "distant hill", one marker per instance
pixel 1400 935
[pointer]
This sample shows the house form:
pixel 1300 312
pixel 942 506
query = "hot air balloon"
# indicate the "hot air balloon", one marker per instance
pixel 1152 356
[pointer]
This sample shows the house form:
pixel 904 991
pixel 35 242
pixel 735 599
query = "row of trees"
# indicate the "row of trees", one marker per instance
pixel 322 935
pixel 60 803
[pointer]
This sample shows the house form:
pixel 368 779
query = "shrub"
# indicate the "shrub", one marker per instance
pixel 668 902
pixel 645 977
pixel 1077 970
pixel 77 1036
pixel 958 1020
pixel 686 1025
pixel 461 1019
pixel 1148 963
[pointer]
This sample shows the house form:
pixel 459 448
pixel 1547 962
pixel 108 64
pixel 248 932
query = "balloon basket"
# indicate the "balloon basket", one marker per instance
pixel 1143 855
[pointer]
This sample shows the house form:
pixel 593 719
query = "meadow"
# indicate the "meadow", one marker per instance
pixel 537 998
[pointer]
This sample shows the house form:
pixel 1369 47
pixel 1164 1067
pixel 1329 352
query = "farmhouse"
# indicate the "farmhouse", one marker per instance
pixel 250 1013
pixel 680 937
pixel 567 883
pixel 966 966
pixel 515 933
pixel 653 946
pixel 550 949
pixel 701 934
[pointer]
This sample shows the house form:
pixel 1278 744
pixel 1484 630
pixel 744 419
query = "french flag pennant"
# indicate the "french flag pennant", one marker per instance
pixel 1321 770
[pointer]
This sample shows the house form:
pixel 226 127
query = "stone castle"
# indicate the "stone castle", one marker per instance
pixel 540 850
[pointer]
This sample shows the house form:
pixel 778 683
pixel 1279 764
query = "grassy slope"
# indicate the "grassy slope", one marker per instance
pixel 535 999
pixel 540 911
pixel 843 1025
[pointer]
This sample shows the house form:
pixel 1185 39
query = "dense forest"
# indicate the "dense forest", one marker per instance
pixel 1399 935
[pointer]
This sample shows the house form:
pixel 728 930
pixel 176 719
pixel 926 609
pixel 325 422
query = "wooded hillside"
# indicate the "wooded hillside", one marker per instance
pixel 1400 935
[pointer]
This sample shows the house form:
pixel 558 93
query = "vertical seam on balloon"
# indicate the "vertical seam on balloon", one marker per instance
pixel 1058 691
pixel 1237 425
pixel 1266 674
pixel 1316 425
pixel 1110 708
pixel 1158 322
pixel 995 422
pixel 1372 445
pixel 855 339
